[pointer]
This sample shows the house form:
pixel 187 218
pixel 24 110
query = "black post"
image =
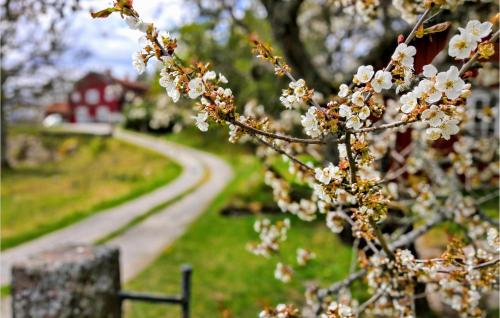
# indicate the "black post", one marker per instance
pixel 186 289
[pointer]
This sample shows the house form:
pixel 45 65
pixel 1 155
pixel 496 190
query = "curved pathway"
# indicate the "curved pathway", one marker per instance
pixel 143 242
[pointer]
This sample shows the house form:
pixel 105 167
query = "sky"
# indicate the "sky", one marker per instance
pixel 110 42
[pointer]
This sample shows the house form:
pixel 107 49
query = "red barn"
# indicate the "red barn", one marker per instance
pixel 100 98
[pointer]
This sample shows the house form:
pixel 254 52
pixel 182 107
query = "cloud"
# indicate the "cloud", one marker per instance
pixel 110 42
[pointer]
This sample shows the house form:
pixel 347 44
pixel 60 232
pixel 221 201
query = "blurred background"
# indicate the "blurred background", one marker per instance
pixel 60 67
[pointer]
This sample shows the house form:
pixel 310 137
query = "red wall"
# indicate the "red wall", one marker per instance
pixel 93 81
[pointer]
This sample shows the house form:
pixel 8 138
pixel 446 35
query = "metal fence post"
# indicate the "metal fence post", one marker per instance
pixel 186 290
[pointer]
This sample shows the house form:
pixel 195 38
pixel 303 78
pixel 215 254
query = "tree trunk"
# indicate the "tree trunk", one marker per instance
pixel 282 15
pixel 3 130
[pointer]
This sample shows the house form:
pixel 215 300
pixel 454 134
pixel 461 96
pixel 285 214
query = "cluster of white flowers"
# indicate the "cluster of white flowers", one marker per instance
pixel 304 256
pixel 334 221
pixel 354 109
pixel 336 310
pixel 235 131
pixel 281 311
pixel 406 258
pixel 366 9
pixel 310 123
pixel 170 80
pixel 355 116
pixel 493 239
pixel 201 121
pixel 296 94
pixel 304 209
pixel 138 62
pixel 329 173
pixel 283 272
pixel 404 55
pixel 463 44
pixel 271 235
pixel 136 24
pixel 430 91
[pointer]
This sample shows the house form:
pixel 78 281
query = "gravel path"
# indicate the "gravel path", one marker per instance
pixel 142 243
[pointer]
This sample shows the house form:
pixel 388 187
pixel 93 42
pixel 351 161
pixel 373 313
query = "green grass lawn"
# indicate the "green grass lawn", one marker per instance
pixel 228 281
pixel 85 175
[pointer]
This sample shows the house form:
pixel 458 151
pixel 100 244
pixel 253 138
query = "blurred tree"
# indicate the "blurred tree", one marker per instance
pixel 31 43
pixel 325 41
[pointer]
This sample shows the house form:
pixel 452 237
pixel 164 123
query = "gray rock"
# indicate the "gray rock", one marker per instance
pixel 69 281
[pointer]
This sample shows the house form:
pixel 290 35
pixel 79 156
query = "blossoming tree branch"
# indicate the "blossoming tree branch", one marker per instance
pixel 424 185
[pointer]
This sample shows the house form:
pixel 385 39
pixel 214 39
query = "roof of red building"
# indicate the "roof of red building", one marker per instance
pixel 125 83
pixel 58 108
pixel 136 86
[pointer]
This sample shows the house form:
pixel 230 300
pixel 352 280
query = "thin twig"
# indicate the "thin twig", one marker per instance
pixel 370 301
pixel 281 151
pixel 277 136
pixel 384 126
pixel 381 239
pixel 352 162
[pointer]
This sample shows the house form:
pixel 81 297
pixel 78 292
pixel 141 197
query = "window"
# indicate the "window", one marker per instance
pixel 102 113
pixel 92 96
pixel 110 93
pixel 82 114
pixel 76 97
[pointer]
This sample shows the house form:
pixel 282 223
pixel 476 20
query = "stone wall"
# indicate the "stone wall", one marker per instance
pixel 69 281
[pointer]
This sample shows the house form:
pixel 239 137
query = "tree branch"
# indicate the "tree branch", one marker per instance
pixel 276 136
pixel 281 151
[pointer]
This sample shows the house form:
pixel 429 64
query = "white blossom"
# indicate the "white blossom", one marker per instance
pixel 461 46
pixel 493 239
pixel 448 128
pixel 136 24
pixel 222 79
pixel 364 113
pixel 364 74
pixel 354 123
pixel 345 111
pixel 304 256
pixel 408 102
pixel 358 99
pixel 310 123
pixel 196 88
pixel 450 83
pixel 426 88
pixel 201 121
pixel 433 133
pixel 299 88
pixel 433 116
pixel 138 62
pixel 290 101
pixel 328 173
pixel 477 30
pixel 404 55
pixel 406 258
pixel 343 90
pixel 283 272
pixel 173 92
pixel 210 75
pixel 429 70
pixel 382 80
pixel 334 222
